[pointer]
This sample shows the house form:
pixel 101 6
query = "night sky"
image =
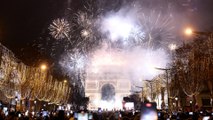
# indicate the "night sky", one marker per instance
pixel 22 22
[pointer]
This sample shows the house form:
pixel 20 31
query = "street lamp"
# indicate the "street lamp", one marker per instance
pixel 190 104
pixel 35 104
pixel 176 100
pixel 167 83
pixel 43 67
pixel 189 32
pixel 65 81
pixel 16 101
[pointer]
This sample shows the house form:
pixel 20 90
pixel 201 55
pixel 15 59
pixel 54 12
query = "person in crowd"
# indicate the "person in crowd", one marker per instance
pixel 72 117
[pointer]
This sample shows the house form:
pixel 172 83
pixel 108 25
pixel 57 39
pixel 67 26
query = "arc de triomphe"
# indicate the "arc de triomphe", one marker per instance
pixel 106 89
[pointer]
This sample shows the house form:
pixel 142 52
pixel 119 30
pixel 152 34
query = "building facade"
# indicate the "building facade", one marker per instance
pixel 106 89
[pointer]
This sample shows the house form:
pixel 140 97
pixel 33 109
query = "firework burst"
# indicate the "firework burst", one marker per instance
pixel 158 29
pixel 87 30
pixel 59 29
pixel 86 33
pixel 123 31
pixel 84 19
pixel 72 62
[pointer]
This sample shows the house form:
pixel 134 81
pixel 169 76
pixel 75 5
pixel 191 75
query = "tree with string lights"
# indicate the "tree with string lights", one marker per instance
pixel 191 67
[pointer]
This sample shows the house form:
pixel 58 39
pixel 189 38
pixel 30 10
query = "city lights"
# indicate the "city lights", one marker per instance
pixel 43 67
pixel 107 56
pixel 188 31
pixel 65 81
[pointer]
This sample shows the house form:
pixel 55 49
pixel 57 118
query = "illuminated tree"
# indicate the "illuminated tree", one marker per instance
pixel 60 93
pixel 18 80
pixel 191 67
pixel 40 84
pixel 10 76
pixel 159 83
pixel 209 64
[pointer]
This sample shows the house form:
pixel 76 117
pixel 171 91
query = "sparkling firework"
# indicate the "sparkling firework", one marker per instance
pixel 85 33
pixel 87 30
pixel 118 27
pixel 149 29
pixel 138 34
pixel 86 23
pixel 158 29
pixel 146 29
pixel 59 29
pixel 84 19
pixel 172 46
pixel 72 62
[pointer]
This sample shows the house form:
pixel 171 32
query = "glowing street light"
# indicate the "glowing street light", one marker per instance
pixel 43 67
pixel 35 105
pixel 188 31
pixel 16 101
pixel 190 102
pixel 176 98
pixel 65 81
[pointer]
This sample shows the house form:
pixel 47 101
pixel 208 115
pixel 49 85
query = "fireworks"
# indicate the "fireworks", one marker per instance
pixel 84 20
pixel 77 60
pixel 87 31
pixel 72 61
pixel 158 29
pixel 138 34
pixel 139 28
pixel 59 29
pixel 123 30
pixel 136 38
pixel 172 46
pixel 117 27
pixel 85 23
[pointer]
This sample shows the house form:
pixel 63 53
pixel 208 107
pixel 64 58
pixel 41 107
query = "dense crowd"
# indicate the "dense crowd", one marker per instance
pixel 104 115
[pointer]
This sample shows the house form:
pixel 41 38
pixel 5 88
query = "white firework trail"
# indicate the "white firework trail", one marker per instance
pixel 72 62
pixel 144 29
pixel 59 29
pixel 86 32
pixel 158 29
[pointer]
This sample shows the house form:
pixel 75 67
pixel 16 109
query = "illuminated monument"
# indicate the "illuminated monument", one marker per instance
pixel 106 83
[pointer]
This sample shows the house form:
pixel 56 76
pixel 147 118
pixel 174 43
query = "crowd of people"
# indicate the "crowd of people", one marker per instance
pixel 105 115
